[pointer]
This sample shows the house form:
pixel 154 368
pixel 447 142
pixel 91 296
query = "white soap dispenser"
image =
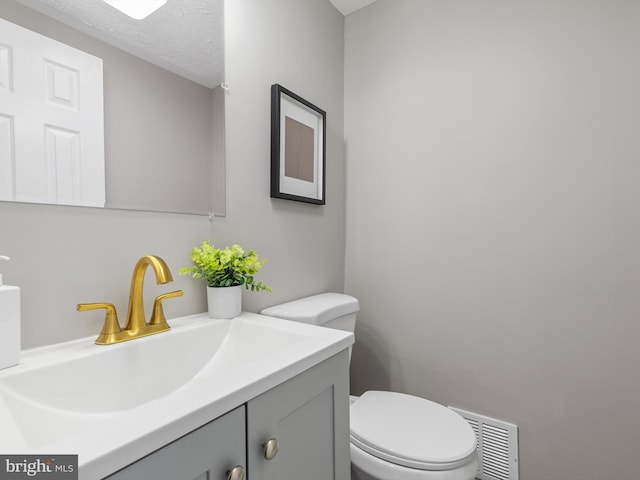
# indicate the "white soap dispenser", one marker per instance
pixel 9 324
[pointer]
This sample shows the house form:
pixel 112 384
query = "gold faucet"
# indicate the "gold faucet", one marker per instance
pixel 136 325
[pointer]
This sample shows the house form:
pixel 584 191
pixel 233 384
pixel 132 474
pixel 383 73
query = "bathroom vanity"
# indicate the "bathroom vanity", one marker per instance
pixel 307 417
pixel 209 399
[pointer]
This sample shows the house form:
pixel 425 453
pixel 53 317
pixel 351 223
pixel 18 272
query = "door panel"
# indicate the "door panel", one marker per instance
pixel 309 417
pixel 51 121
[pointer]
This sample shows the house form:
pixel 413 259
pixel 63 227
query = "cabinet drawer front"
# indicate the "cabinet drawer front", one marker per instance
pixel 206 453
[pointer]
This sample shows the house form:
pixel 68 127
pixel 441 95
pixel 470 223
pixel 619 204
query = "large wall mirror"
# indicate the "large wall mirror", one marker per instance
pixel 163 96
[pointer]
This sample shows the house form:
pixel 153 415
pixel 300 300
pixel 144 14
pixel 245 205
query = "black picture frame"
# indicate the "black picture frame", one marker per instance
pixel 298 148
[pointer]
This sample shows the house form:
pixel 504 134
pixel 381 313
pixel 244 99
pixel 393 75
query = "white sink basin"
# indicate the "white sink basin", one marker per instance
pixel 118 377
pixel 114 404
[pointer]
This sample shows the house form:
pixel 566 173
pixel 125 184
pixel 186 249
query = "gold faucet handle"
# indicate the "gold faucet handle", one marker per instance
pixel 157 315
pixel 111 325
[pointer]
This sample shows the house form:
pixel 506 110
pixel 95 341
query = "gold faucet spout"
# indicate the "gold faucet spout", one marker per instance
pixel 136 320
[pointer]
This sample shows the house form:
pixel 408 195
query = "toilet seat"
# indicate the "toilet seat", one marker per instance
pixel 411 431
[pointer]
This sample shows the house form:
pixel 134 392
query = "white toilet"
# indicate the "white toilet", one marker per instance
pixel 394 436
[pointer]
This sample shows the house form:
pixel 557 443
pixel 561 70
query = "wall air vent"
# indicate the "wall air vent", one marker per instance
pixel 497 444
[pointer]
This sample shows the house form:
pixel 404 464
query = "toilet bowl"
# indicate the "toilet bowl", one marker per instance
pixel 394 436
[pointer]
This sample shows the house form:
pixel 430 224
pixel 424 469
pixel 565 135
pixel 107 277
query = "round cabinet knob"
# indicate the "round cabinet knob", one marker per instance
pixel 270 449
pixel 236 473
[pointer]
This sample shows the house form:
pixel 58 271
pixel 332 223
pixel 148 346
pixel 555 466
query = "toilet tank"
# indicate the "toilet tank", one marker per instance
pixel 331 310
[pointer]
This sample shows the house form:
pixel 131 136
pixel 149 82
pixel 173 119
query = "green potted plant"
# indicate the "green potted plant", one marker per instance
pixel 226 271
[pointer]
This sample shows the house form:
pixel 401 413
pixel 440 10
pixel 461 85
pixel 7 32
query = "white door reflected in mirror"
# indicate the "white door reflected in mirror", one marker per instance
pixel 51 121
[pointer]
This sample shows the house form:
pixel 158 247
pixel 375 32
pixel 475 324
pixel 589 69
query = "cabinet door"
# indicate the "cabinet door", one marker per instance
pixel 204 454
pixel 309 417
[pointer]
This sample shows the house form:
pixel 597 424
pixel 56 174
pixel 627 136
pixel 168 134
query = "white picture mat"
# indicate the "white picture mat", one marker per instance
pixel 291 108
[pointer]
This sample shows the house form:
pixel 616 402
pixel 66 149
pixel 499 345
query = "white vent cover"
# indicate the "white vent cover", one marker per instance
pixel 497 444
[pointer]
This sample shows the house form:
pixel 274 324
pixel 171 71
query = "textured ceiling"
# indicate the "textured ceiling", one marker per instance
pixel 184 36
pixel 349 6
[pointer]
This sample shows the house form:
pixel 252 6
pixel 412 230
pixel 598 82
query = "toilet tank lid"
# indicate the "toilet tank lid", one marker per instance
pixel 317 309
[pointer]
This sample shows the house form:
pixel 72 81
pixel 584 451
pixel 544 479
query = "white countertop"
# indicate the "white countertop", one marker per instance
pixel 247 356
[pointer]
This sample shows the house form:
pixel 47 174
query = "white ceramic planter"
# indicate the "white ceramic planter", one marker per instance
pixel 224 302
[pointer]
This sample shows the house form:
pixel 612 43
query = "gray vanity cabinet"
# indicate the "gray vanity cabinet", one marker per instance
pixel 308 416
pixel 204 454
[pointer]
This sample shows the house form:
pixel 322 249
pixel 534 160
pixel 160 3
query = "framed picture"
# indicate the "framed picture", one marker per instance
pixel 298 144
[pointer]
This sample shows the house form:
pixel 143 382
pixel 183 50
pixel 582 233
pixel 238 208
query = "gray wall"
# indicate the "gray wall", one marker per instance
pixel 300 45
pixel 493 222
pixel 64 255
